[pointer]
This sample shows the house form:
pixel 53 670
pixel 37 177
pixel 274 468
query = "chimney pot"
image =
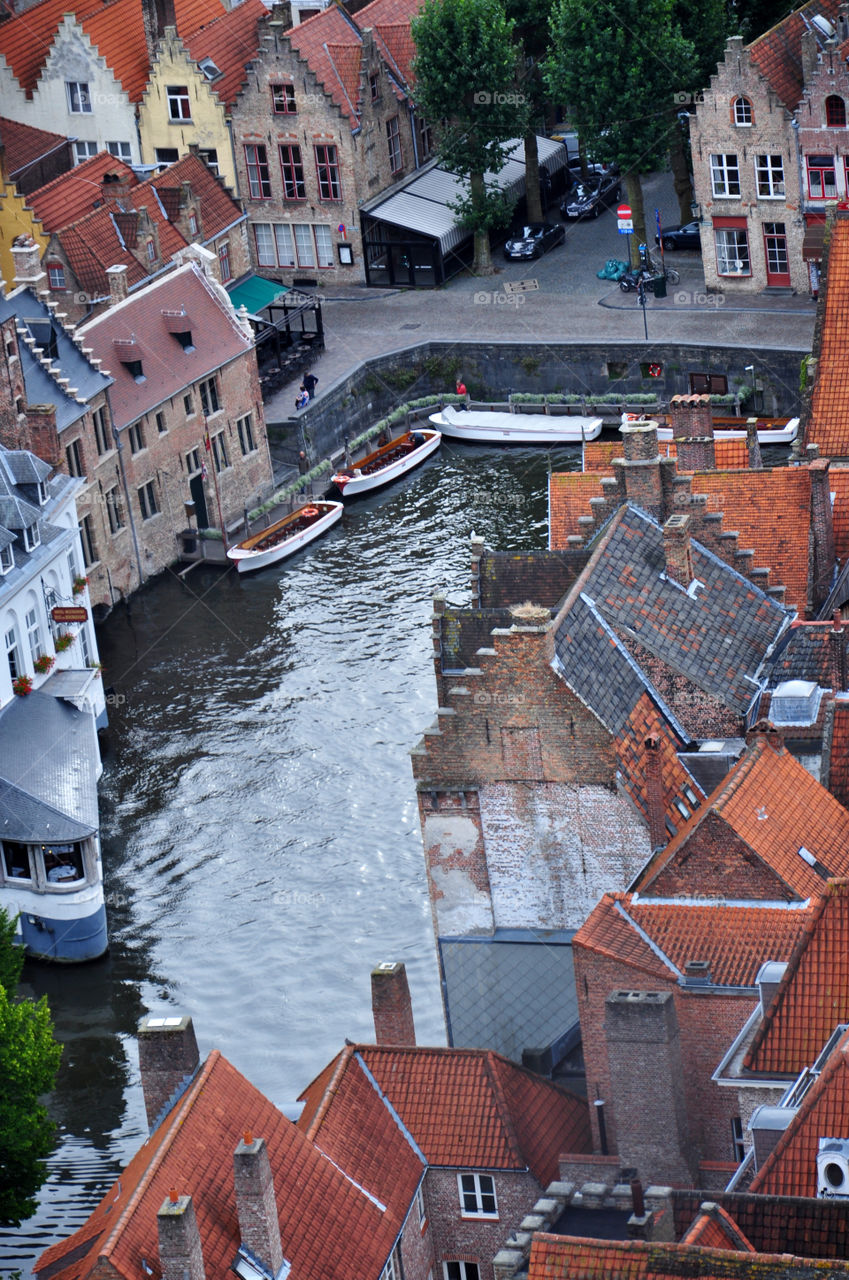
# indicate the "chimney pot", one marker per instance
pixel 391 1005
pixel 180 1251
pixel 677 550
pixel 173 1195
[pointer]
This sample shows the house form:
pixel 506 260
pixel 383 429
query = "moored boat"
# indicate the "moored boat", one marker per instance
pixel 388 462
pixel 286 536
pixel 770 430
pixel 497 427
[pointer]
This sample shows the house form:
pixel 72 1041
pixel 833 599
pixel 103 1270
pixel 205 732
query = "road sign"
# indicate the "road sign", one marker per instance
pixel 624 211
pixel 626 227
pixel 69 613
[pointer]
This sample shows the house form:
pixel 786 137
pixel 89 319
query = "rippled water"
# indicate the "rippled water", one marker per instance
pixel 261 842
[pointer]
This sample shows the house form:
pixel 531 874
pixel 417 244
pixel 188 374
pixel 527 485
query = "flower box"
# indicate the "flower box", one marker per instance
pixel 43 663
pixel 63 641
pixel 22 686
pixel 79 586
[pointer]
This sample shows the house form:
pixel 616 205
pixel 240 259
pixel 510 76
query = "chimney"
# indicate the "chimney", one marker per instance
pixel 764 730
pixel 676 549
pixel 810 55
pixel 822 529
pixel 753 445
pixel 477 544
pixel 837 647
pixel 391 1005
pixel 697 973
pixel 27 259
pixel 647 478
pixel 180 1252
pixel 118 289
pixel 692 430
pixel 655 808
pixel 256 1204
pixel 168 1058
pixel 156 16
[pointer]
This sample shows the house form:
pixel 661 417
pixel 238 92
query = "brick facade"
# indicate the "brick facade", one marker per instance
pixel 471 1239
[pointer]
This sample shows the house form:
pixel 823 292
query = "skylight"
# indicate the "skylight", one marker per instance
pixel 209 69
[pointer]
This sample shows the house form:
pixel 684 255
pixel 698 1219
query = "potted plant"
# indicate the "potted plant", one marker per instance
pixel 22 686
pixel 80 585
pixel 43 663
pixel 63 641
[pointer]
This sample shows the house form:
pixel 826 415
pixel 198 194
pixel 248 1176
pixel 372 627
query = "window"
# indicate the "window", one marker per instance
pixel 775 243
pixel 7 559
pixel 264 238
pixel 188 404
pixel 424 136
pixel 224 261
pixel 87 540
pixel 769 172
pixel 13 654
pixel 135 435
pixel 285 244
pixel 477 1195
pixel 209 69
pixel 732 252
pixel 194 225
pixel 392 1270
pixel 84 150
pixel 460 1271
pixel 835 112
pixel 32 537
pixel 821 180
pixel 33 633
pixel 304 245
pixel 246 435
pixel 166 155
pixel 259 181
pixel 121 150
pixel 43 493
pixel 16 864
pixel 209 155
pixel 179 107
pixel 113 509
pixel 323 245
pixel 327 168
pixel 150 249
pixel 724 175
pixel 283 99
pixel 738 1146
pixel 742 111
pixel 374 87
pixel 161 424
pixel 293 172
pixel 184 337
pixel 193 461
pixel 56 275
pixel 79 98
pixel 85 647
pixel 148 505
pixel 393 141
pixel 102 440
pixel 708 384
pixel 74 458
pixel 420 1207
pixel 219 452
pixel 63 863
pixel 209 396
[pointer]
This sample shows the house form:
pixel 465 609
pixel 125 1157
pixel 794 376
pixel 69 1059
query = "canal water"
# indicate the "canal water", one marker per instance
pixel 261 845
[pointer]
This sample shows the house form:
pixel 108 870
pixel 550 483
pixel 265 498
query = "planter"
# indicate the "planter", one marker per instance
pixel 44 663
pixel 22 686
pixel 63 641
pixel 79 586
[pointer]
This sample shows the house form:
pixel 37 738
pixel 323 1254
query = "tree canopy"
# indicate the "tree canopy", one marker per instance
pixel 29 1061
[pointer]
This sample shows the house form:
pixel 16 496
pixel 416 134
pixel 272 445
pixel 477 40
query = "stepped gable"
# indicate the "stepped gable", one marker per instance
pixel 116 30
pixel 791 1167
pixel 778 53
pixel 827 426
pixel 231 41
pixel 330 1229
pixel 754 825
pixel 647 749
pixel 775 1224
pixel 714 1228
pixel 78 192
pixel 813 996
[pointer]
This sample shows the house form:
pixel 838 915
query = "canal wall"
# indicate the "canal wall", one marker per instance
pixel 492 370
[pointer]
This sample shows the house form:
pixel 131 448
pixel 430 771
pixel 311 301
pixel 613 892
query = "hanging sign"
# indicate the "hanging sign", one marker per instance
pixel 69 613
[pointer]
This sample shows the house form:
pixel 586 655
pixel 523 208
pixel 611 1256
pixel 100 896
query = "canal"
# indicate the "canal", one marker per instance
pixel 261 844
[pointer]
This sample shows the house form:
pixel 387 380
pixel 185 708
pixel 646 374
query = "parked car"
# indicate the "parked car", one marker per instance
pixel 534 239
pixel 682 237
pixel 592 195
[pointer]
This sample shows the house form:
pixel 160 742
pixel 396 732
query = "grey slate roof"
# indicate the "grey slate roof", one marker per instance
pixel 23 467
pixel 48 751
pixel 718 637
pixel 25 818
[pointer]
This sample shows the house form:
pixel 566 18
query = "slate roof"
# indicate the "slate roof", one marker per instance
pixel 74 194
pixel 231 41
pixel 828 424
pixel 813 996
pixel 167 367
pixel 25 145
pixel 718 637
pixel 45 750
pixel 775 1224
pixel 461 1108
pixel 330 1228
pixel 778 55
pixel 679 787
pixel 659 938
pixel 116 31
pixel 803 653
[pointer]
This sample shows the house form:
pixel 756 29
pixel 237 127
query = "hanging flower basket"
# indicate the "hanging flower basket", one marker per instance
pixel 63 641
pixel 44 663
pixel 22 686
pixel 80 585
pixel 97 668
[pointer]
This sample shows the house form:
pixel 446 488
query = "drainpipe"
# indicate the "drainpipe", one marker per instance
pixel 413 132
pixel 119 445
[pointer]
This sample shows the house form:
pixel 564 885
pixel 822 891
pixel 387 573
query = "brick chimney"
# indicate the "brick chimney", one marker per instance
pixel 180 1252
pixel 677 550
pixel 753 445
pixel 646 478
pixel 391 1005
pixel 118 289
pixel 809 50
pixel 822 529
pixel 764 730
pixel 156 16
pixel 256 1203
pixel 27 259
pixel 654 794
pixel 692 430
pixel 168 1058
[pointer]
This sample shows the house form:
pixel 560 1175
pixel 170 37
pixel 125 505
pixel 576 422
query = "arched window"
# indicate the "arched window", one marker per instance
pixel 742 111
pixel 835 112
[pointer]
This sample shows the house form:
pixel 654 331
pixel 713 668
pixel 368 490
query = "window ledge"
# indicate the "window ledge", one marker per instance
pixel 479 1217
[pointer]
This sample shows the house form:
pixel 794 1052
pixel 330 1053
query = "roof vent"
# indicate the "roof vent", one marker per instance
pixel 697 973
pixel 795 702
pixel 823 26
pixel 833 1169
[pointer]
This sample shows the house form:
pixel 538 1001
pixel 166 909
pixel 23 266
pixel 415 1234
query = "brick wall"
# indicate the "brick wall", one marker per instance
pixel 417 1242
pixel 14 431
pixel 476 1239
pixel 721 864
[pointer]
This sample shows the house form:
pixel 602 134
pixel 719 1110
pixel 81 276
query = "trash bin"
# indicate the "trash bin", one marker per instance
pixel 659 286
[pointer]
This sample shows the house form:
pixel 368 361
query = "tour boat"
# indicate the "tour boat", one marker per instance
pixel 770 430
pixel 286 536
pixel 498 427
pixel 388 462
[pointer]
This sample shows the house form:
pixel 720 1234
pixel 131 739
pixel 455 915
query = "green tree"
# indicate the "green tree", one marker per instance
pixel 465 67
pixel 617 68
pixel 707 29
pixel 29 1061
pixel 530 18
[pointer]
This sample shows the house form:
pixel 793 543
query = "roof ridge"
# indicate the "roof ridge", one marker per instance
pixel 504 1113
pixel 345 1057
pixel 658 951
pixel 393 1112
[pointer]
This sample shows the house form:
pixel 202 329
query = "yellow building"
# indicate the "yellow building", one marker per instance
pixel 16 219
pixel 193 84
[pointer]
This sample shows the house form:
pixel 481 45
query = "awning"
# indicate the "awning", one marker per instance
pixel 255 293
pixel 813 242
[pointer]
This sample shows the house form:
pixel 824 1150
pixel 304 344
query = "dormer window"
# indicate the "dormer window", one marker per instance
pixel 7 559
pixel 32 537
pixel 835 112
pixel 743 112
pixel 179 325
pixel 193 223
pixel 43 493
pixel 129 353
pixel 209 69
pixel 56 275
pixel 150 250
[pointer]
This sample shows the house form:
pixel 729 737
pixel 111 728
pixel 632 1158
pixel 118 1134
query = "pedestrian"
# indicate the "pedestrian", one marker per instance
pixel 461 391
pixel 302 399
pixel 309 384
pixel 303 468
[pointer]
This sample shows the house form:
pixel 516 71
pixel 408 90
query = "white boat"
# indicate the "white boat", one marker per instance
pixel 497 427
pixel 770 430
pixel 388 462
pixel 286 536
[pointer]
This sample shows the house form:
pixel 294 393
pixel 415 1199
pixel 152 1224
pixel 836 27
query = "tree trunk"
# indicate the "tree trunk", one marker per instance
pixel 635 199
pixel 482 265
pixel 681 172
pixel 532 187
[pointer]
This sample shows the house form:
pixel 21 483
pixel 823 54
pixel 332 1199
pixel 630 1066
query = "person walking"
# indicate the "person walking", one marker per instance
pixel 309 383
pixel 303 468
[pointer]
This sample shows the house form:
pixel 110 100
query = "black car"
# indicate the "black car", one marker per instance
pixel 591 195
pixel 685 237
pixel 533 240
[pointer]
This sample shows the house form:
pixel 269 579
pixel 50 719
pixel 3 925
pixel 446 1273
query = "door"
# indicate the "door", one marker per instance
pixel 199 499
pixel 775 246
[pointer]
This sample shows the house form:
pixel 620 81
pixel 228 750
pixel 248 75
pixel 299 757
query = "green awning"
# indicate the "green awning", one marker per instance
pixel 255 293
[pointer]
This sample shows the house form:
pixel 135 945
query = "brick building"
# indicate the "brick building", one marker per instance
pixel 325 121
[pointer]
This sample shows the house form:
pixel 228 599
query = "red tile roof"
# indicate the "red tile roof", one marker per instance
pixel 714 1228
pixel 838 779
pixel 777 53
pixel 23 145
pixel 729 455
pixel 166 366
pixel 78 192
pixel 569 494
pixel 646 722
pixel 828 426
pixel 607 932
pixel 463 1108
pixel 330 1229
pixel 838 480
pixel 218 208
pixel 116 30
pixel 231 41
pixel 813 996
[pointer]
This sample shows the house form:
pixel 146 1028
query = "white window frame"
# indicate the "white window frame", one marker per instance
pixel 79 97
pixel 724 257
pixel 476 1187
pixel 743 115
pixel 14 657
pixel 84 149
pixel 32 537
pixel 123 150
pixel 769 176
pixel 725 173
pixel 33 630
pixel 7 559
pixel 305 245
pixel 821 169
pixel 420 1206
pixel 392 1270
pixel 323 244
pixel 464 1269
pixel 179 103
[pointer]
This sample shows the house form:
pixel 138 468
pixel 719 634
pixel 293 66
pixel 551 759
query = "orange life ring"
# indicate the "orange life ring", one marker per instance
pixel 309 512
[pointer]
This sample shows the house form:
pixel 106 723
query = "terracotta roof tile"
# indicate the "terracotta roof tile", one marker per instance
pixel 645 722
pixel 231 41
pixel 777 53
pixel 728 454
pixel 714 1228
pixel 838 781
pixel 218 208
pixel 23 145
pixel 607 932
pixel 569 494
pixel 775 1224
pixel 828 426
pixel 838 478
pixel 78 192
